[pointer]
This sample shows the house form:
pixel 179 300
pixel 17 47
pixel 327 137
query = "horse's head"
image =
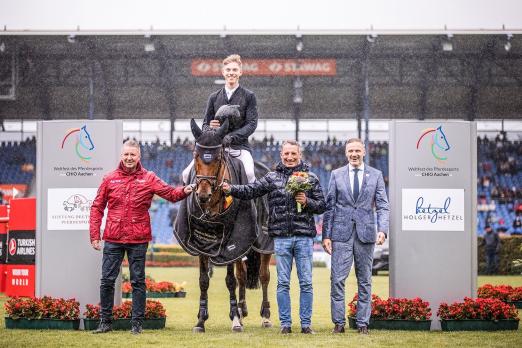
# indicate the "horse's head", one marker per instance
pixel 440 139
pixel 208 156
pixel 85 139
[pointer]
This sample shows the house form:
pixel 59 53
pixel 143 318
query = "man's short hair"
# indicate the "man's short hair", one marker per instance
pixel 132 143
pixel 233 58
pixel 354 140
pixel 291 142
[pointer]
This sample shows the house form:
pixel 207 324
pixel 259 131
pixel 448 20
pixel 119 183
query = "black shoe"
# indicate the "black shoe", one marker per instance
pixel 136 329
pixel 307 330
pixel 338 329
pixel 286 330
pixel 103 327
pixel 363 330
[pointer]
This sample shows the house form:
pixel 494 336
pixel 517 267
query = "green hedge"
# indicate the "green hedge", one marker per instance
pixel 168 257
pixel 509 251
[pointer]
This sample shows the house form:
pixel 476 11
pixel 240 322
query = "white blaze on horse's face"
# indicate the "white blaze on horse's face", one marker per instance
pixel 355 153
pixel 290 155
pixel 231 73
pixel 130 157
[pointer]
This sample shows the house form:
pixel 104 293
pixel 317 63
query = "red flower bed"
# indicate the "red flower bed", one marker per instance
pixel 153 310
pixel 395 308
pixel 166 263
pixel 480 308
pixel 42 308
pixel 506 293
pixel 153 286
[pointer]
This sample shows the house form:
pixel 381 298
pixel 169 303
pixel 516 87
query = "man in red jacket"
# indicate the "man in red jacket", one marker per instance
pixel 127 192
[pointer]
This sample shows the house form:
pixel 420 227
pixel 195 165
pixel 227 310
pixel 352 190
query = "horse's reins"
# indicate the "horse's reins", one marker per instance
pixel 212 179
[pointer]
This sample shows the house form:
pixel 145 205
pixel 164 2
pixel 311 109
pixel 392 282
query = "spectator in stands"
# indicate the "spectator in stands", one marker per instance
pixel 127 192
pixel 349 231
pixel 491 243
pixel 293 232
pixel 233 94
pixel 517 225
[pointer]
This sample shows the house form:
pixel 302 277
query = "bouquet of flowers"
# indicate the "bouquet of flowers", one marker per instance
pixel 298 182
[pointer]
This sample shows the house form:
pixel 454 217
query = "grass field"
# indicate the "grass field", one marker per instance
pixel 182 317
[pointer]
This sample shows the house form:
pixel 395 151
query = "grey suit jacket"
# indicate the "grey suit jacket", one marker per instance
pixel 342 211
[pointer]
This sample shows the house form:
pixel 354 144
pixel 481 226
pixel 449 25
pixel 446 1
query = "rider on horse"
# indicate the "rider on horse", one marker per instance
pixel 240 101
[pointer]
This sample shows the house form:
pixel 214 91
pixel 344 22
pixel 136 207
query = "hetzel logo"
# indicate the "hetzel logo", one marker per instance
pixel 83 144
pixel 438 143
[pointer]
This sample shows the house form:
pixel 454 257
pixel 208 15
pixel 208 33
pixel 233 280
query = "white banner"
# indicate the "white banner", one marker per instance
pixel 69 208
pixel 432 209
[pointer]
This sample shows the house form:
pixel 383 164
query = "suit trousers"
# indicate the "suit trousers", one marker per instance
pixel 343 256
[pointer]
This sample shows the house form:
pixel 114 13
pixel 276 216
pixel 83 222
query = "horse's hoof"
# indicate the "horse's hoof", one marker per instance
pixel 197 329
pixel 266 324
pixel 237 329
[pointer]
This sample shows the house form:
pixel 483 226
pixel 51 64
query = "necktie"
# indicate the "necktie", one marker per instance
pixel 355 184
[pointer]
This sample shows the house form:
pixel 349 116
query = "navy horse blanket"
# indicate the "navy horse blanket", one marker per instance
pixel 224 238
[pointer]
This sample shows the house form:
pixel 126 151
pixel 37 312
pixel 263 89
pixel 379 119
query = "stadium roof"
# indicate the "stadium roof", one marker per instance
pixel 323 76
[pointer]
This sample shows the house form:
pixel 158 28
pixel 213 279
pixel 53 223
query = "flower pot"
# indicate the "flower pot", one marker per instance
pixel 517 304
pixel 394 324
pixel 180 294
pixel 478 325
pixel 125 324
pixel 39 324
pixel 126 294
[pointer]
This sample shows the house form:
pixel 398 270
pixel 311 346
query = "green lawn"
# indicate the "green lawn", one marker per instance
pixel 182 316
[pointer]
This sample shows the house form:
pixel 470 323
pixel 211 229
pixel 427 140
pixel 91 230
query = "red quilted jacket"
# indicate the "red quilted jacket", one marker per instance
pixel 128 197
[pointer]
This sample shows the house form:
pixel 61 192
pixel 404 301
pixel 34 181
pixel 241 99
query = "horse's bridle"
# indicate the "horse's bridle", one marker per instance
pixel 211 179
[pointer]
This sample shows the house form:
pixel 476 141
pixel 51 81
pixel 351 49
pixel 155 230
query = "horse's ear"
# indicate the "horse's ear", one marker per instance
pixel 223 130
pixel 196 131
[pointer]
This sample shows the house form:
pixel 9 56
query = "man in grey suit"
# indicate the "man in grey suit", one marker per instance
pixel 349 232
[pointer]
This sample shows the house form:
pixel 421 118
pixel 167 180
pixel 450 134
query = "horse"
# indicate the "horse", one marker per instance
pixel 438 141
pixel 212 166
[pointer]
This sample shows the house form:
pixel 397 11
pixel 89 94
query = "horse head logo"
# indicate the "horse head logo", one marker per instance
pixel 439 142
pixel 83 144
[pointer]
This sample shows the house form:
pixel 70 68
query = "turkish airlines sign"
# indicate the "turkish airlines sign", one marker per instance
pixel 270 67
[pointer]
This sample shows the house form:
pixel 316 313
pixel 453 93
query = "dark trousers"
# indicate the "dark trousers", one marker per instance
pixel 491 261
pixel 112 257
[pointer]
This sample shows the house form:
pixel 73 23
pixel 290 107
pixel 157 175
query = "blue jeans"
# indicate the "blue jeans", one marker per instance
pixel 286 249
pixel 112 257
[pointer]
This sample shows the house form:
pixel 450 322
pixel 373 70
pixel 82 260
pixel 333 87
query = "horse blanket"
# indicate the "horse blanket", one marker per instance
pixel 225 238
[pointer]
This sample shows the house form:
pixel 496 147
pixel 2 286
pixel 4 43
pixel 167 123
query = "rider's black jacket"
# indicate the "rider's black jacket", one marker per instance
pixel 284 220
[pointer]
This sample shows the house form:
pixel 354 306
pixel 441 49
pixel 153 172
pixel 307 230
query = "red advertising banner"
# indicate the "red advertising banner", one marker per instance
pixel 9 190
pixel 269 67
pixel 20 280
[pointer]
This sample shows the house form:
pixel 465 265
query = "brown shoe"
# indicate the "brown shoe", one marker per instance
pixel 286 330
pixel 338 329
pixel 363 330
pixel 307 330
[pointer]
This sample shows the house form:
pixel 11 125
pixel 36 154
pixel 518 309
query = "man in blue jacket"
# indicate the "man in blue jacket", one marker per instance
pixel 293 232
pixel 349 232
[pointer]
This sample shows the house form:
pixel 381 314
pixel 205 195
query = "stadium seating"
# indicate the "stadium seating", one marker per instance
pixel 498 188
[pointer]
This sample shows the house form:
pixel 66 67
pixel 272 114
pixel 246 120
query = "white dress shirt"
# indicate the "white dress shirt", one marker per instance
pixel 360 175
pixel 229 92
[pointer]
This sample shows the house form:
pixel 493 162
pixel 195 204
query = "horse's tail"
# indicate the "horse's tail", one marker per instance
pixel 253 264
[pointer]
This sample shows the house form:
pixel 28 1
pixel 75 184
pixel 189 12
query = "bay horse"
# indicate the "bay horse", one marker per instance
pixel 211 170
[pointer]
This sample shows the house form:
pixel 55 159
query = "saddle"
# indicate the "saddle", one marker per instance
pixel 224 238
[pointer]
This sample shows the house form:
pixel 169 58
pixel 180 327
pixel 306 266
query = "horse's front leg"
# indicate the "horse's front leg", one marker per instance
pixel 203 297
pixel 241 276
pixel 264 276
pixel 234 312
